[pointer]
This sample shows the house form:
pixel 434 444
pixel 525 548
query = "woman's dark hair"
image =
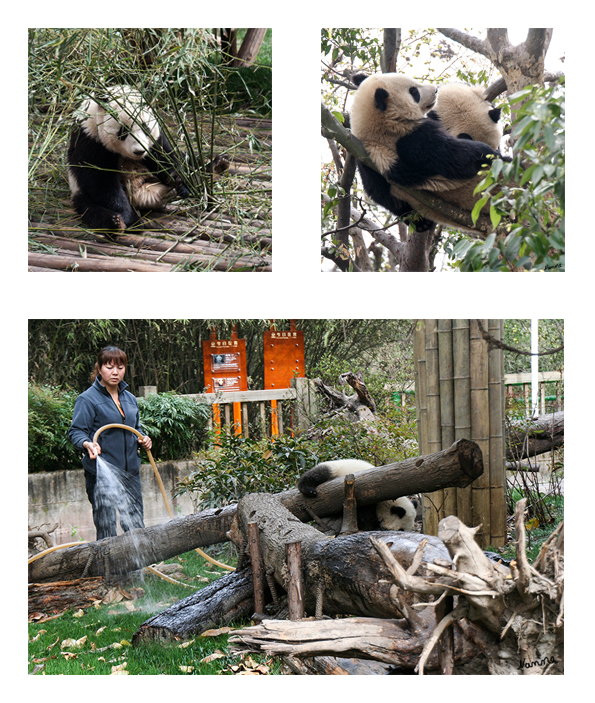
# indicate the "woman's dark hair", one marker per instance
pixel 106 355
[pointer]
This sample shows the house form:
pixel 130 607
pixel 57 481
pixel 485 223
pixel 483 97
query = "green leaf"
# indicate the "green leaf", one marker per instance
pixel 477 209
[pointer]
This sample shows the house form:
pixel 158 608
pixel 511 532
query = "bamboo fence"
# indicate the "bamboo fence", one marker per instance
pixel 459 392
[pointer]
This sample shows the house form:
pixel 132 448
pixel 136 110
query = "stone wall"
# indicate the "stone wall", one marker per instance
pixel 60 497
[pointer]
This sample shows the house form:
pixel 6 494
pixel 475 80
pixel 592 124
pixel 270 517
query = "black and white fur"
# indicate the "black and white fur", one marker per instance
pixel 393 515
pixel 388 115
pixel 117 141
pixel 466 113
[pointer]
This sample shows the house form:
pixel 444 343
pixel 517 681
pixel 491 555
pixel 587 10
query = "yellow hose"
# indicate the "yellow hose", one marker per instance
pixel 204 555
pixel 52 549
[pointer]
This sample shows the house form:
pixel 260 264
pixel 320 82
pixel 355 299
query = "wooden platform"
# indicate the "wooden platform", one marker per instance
pixel 234 235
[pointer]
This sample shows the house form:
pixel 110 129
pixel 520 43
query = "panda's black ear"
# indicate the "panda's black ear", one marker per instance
pixel 358 78
pixel 380 98
pixel 398 511
pixel 494 114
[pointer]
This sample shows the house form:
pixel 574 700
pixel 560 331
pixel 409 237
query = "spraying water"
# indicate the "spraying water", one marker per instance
pixel 114 493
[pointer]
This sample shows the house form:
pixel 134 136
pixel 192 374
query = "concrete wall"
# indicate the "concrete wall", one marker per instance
pixel 60 497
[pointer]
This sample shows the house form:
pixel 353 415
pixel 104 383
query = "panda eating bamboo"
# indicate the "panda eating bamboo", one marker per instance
pixel 119 159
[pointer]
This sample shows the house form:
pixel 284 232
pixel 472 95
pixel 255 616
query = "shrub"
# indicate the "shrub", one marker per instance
pixel 176 424
pixel 50 415
pixel 240 465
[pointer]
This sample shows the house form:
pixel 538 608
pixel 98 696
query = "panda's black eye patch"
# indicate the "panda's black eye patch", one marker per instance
pixel 414 92
pixel 122 133
pixel 380 99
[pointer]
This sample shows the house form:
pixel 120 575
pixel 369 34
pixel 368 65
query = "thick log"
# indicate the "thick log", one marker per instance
pixel 57 597
pixel 458 465
pixel 347 571
pixel 136 549
pixel 336 666
pixel 546 432
pixel 224 600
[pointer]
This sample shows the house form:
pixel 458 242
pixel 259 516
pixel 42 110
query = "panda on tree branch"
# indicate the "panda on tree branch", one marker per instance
pixel 440 155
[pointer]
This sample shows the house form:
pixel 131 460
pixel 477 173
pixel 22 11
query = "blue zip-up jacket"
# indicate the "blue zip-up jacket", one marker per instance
pixel 95 408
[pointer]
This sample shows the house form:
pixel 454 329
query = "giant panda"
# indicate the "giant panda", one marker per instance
pixel 388 116
pixel 392 515
pixel 112 137
pixel 466 113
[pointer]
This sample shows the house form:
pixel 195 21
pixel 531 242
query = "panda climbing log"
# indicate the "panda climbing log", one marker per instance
pixel 393 515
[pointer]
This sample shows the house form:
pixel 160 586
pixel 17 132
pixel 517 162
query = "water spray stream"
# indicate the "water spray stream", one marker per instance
pixel 204 555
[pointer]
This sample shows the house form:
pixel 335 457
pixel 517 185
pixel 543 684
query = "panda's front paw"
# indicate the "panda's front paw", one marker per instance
pixel 181 188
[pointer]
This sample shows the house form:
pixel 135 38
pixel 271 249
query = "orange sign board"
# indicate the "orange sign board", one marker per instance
pixel 283 357
pixel 224 363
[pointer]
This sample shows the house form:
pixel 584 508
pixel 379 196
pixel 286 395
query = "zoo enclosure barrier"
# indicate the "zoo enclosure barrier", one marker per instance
pixel 267 410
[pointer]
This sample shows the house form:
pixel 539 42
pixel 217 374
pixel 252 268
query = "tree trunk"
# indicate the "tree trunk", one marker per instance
pixel 385 640
pixel 546 432
pixel 136 549
pixel 344 575
pixel 250 47
pixel 224 600
pixel 458 465
pixel 62 595
pixel 513 619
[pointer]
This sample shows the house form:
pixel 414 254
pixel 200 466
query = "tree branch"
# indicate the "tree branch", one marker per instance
pixel 480 46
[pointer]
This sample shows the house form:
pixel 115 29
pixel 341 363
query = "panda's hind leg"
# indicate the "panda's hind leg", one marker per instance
pixel 219 165
pixel 96 216
pixel 112 211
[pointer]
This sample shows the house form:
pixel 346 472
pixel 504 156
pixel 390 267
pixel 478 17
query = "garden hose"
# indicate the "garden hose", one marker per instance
pixel 52 549
pixel 161 486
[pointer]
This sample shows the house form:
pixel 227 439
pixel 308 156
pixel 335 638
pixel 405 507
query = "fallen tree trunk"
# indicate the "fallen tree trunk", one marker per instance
pixel 544 433
pixel 458 466
pixel 224 600
pixel 344 575
pixel 514 618
pixel 136 549
pixel 51 598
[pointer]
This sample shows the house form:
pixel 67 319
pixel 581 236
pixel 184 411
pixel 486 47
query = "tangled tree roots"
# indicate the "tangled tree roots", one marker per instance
pixel 520 613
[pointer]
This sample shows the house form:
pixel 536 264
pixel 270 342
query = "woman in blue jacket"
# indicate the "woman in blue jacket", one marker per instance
pixel 117 484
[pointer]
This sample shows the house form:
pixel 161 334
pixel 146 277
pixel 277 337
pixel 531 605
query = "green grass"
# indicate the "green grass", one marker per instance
pixel 58 646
